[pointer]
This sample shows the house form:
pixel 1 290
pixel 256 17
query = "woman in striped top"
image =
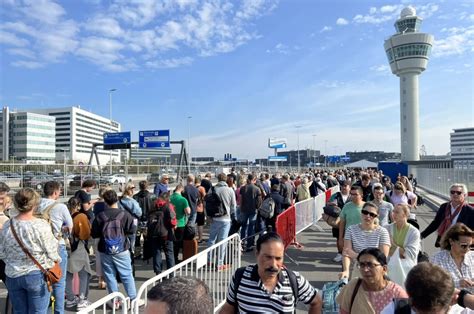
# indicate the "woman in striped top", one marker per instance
pixel 364 235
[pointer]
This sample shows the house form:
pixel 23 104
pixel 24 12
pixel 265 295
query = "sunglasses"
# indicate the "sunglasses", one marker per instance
pixel 465 246
pixel 366 212
pixel 456 192
pixel 367 265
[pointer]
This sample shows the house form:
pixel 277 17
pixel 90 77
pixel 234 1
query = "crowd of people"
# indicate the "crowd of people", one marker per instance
pixel 375 226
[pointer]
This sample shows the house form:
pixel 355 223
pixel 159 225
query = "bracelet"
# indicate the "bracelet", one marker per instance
pixel 461 296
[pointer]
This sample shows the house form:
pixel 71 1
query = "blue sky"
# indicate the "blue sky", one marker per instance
pixel 243 70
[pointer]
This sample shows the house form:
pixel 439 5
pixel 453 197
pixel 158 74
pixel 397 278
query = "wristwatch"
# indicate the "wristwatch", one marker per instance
pixel 461 296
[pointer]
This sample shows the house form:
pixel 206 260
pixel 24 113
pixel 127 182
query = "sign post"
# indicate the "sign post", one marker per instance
pixel 154 139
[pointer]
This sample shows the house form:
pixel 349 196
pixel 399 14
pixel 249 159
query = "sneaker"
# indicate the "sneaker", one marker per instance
pixel 73 302
pixel 338 258
pixel 83 303
pixel 223 267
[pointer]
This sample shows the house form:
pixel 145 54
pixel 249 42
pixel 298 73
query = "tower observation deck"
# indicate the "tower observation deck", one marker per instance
pixel 407 52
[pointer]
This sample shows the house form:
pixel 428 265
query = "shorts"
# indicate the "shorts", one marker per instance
pixel 200 219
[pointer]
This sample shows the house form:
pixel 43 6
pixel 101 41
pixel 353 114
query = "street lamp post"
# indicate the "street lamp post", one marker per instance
pixel 189 137
pixel 314 150
pixel 298 144
pixel 325 153
pixel 110 127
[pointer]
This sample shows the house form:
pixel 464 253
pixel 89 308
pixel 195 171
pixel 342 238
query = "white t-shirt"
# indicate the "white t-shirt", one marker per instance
pixel 455 309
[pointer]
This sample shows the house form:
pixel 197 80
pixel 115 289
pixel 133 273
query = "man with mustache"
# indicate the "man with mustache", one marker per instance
pixel 269 287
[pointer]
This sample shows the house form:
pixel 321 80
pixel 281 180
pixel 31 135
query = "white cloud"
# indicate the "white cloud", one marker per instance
pixel 28 64
pixel 152 28
pixel 427 10
pixel 389 8
pixel 22 52
pixel 169 63
pixel 341 21
pixel 12 40
pixel 458 41
pixel 325 29
pixel 383 68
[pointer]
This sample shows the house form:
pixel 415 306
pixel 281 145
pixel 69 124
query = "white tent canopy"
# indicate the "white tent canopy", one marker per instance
pixel 362 164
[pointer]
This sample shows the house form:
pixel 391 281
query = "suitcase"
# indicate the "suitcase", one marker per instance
pixel 190 248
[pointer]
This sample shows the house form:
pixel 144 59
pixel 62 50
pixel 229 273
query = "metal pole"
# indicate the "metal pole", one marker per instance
pixel 110 127
pixel 189 136
pixel 314 150
pixel 325 153
pixel 298 144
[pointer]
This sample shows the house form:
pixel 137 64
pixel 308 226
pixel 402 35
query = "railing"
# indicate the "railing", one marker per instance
pixel 108 301
pixel 438 178
pixel 202 266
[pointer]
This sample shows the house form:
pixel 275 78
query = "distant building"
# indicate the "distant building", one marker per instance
pixel 374 156
pixel 462 147
pixel 307 158
pixel 76 131
pixel 144 155
pixel 27 137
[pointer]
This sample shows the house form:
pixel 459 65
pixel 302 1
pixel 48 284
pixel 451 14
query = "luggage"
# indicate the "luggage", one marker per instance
pixel 190 248
pixel 330 292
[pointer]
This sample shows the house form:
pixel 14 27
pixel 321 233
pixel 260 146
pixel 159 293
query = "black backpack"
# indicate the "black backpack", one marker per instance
pixel 156 224
pixel 146 200
pixel 214 205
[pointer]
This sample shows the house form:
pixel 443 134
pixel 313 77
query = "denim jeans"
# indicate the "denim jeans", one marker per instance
pixel 192 217
pixel 158 247
pixel 219 230
pixel 60 288
pixel 29 293
pixel 248 220
pixel 122 264
pixel 84 279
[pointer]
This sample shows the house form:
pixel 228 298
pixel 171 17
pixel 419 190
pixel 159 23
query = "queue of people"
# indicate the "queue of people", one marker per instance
pixel 375 226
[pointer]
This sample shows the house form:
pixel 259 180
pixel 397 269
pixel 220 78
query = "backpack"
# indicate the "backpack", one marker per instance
pixel 330 292
pixel 113 234
pixel 214 205
pixel 46 215
pixel 146 201
pixel 267 209
pixel 156 224
pixel 239 274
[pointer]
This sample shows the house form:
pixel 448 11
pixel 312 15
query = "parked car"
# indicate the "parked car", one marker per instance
pixel 37 182
pixel 118 179
pixel 76 182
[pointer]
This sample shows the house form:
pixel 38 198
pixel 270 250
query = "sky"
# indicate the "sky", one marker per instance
pixel 231 74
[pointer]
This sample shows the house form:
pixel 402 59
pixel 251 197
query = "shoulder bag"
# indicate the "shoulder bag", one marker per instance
pixel 52 275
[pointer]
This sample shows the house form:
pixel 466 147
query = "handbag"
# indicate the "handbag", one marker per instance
pixel 398 268
pixel 189 231
pixel 51 275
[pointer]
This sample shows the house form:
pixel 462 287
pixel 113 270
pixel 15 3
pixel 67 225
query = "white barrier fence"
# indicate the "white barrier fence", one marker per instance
pixel 107 304
pixel 199 266
pixel 308 212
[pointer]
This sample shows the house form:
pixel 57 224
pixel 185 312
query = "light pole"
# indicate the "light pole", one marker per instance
pixel 189 136
pixel 314 150
pixel 110 127
pixel 325 153
pixel 298 144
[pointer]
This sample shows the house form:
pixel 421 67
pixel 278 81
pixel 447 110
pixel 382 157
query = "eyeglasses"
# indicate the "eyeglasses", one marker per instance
pixel 366 212
pixel 455 192
pixel 465 246
pixel 368 265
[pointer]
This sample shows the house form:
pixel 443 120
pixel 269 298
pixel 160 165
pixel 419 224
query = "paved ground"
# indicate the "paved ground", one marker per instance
pixel 314 260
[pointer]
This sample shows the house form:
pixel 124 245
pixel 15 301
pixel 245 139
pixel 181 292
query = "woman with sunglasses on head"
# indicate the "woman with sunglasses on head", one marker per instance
pixel 364 235
pixel 370 293
pixel 456 210
pixel 456 256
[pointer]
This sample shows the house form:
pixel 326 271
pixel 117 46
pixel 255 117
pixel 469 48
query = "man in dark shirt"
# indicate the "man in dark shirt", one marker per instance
pixel 120 260
pixel 251 199
pixel 279 203
pixel 85 197
pixel 191 193
pixel 364 183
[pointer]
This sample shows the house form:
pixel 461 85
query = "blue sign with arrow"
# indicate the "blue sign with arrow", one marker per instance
pixel 119 140
pixel 154 139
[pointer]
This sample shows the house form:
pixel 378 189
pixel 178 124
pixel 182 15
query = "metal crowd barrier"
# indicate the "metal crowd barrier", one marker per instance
pixel 203 266
pixel 108 301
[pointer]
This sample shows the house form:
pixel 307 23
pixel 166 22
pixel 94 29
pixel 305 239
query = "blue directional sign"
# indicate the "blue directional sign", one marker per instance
pixel 117 140
pixel 154 139
pixel 277 158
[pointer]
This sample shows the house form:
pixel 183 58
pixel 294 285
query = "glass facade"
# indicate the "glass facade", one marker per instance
pixel 407 51
pixel 409 25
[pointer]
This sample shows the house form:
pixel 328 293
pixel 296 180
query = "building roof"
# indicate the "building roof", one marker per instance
pixel 364 163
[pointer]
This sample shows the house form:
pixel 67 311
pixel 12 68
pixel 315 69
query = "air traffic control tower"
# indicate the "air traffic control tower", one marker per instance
pixel 407 53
